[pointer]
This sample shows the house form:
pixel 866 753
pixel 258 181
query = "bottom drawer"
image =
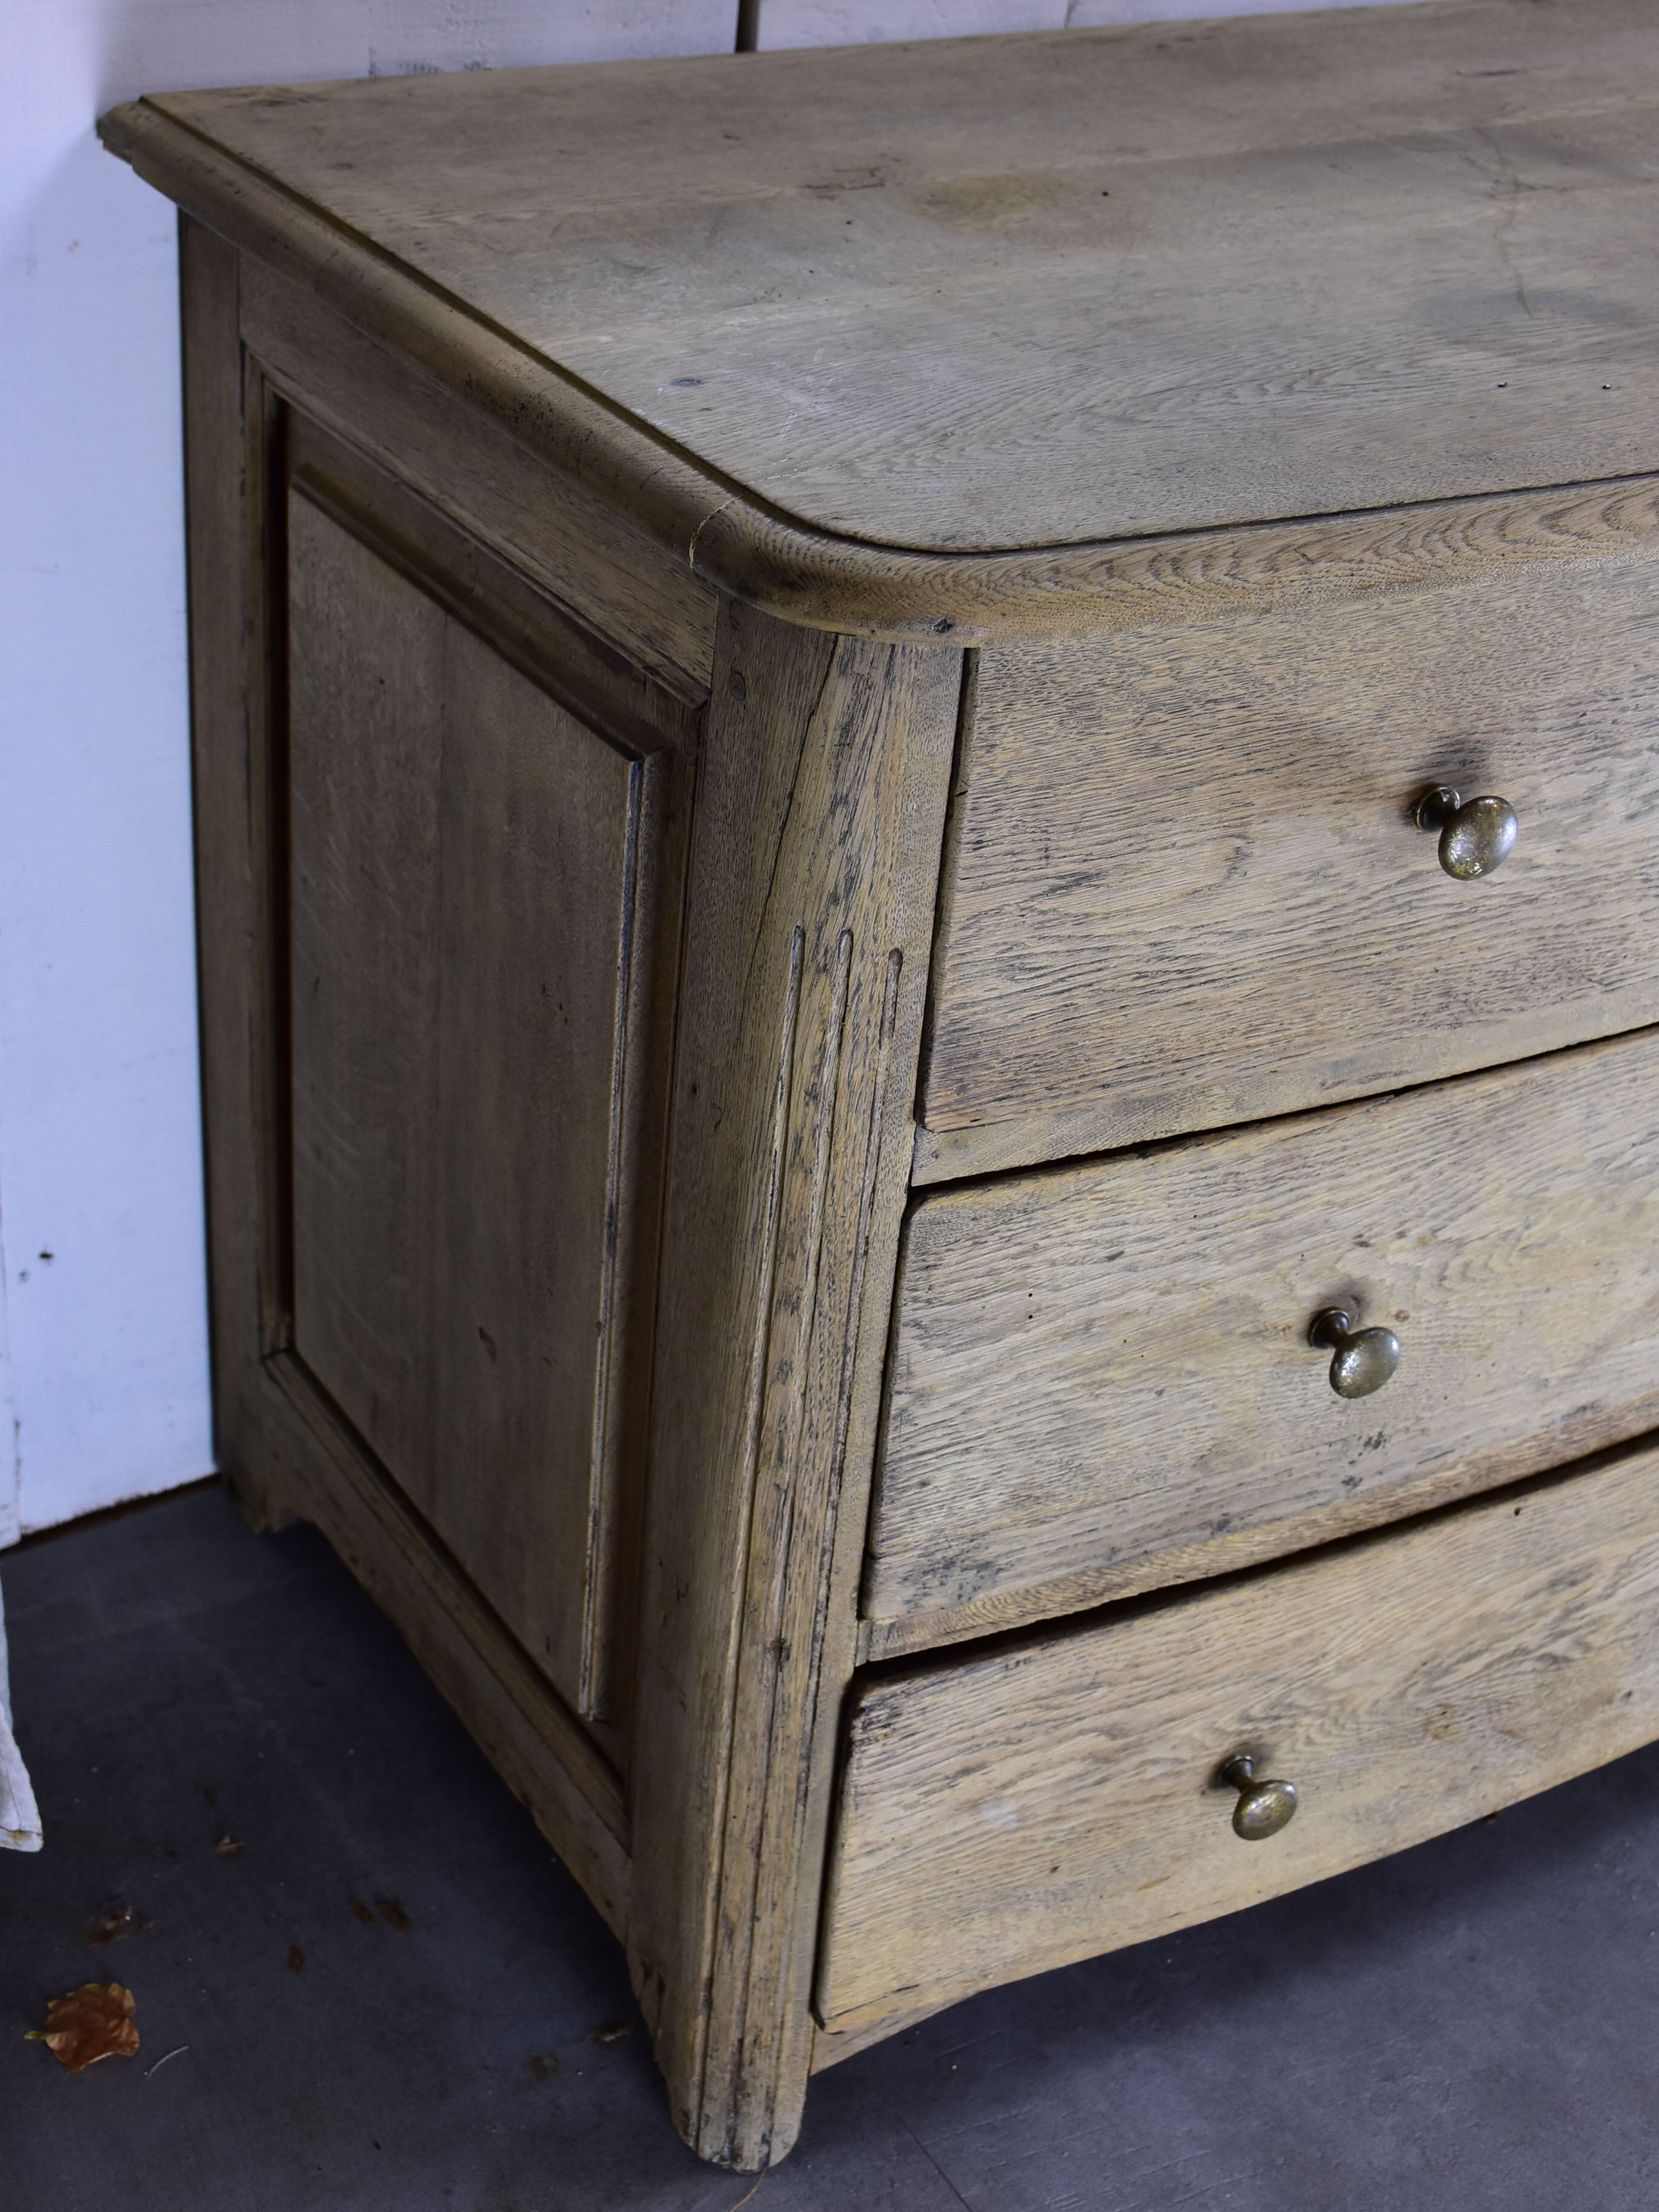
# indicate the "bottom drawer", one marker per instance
pixel 1063 1797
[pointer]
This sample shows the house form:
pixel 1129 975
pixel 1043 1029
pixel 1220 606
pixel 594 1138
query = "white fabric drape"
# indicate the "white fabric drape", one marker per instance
pixel 20 1819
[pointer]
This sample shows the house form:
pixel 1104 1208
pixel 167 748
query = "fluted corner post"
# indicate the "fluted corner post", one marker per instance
pixel 815 860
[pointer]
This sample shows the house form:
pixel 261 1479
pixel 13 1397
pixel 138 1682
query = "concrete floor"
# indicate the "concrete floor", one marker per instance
pixel 1472 2024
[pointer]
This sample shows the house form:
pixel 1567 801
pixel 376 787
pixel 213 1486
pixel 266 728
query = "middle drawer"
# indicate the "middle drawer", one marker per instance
pixel 1101 1381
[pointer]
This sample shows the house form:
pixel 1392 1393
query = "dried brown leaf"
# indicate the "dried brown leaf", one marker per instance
pixel 120 1920
pixel 545 2064
pixel 612 2032
pixel 229 1847
pixel 296 1960
pixel 393 1915
pixel 93 2022
pixel 364 1913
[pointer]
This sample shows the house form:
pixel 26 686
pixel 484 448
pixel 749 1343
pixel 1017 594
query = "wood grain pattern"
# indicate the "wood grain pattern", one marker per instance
pixel 831 2044
pixel 1067 592
pixel 629 456
pixel 1055 1798
pixel 464 890
pixel 1101 1381
pixel 815 857
pixel 1187 888
pixel 806 339
pixel 366 744
pixel 223 498
pixel 911 295
pixel 628 992
pixel 277 1442
pixel 618 580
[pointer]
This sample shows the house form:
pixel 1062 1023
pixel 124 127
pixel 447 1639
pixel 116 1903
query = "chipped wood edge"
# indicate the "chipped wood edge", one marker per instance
pixel 831 2046
pixel 819 580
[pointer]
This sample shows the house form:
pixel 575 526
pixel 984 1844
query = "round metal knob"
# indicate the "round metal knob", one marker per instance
pixel 1475 837
pixel 1362 1359
pixel 1263 1808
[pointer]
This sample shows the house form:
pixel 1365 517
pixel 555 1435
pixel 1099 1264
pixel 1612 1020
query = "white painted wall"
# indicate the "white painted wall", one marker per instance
pixel 851 23
pixel 99 1144
pixel 101 1279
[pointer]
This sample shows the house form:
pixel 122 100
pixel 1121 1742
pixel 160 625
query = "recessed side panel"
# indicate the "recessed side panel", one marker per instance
pixel 463 858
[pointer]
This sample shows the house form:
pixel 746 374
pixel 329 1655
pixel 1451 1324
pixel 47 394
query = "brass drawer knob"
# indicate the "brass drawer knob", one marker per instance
pixel 1362 1359
pixel 1263 1808
pixel 1474 836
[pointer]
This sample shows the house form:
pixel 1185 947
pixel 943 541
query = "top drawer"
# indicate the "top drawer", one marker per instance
pixel 1187 887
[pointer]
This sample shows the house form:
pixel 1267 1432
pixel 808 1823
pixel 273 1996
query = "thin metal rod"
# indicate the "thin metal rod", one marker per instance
pixel 748 27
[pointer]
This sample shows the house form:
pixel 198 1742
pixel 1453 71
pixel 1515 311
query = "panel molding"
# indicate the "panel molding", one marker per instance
pixel 283 1448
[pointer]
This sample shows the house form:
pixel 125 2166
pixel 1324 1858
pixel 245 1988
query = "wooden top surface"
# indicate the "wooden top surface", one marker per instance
pixel 1037 291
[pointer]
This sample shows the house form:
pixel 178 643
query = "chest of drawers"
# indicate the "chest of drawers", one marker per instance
pixel 975 1285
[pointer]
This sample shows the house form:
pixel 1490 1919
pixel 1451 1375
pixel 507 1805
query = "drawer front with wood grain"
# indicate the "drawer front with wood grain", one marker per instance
pixel 1100 1378
pixel 1186 887
pixel 1064 1797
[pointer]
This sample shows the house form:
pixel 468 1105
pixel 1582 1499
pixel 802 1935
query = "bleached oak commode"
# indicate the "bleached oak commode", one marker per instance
pixel 873 1154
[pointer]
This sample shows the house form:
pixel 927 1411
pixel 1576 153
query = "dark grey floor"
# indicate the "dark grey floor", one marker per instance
pixel 1474 2024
